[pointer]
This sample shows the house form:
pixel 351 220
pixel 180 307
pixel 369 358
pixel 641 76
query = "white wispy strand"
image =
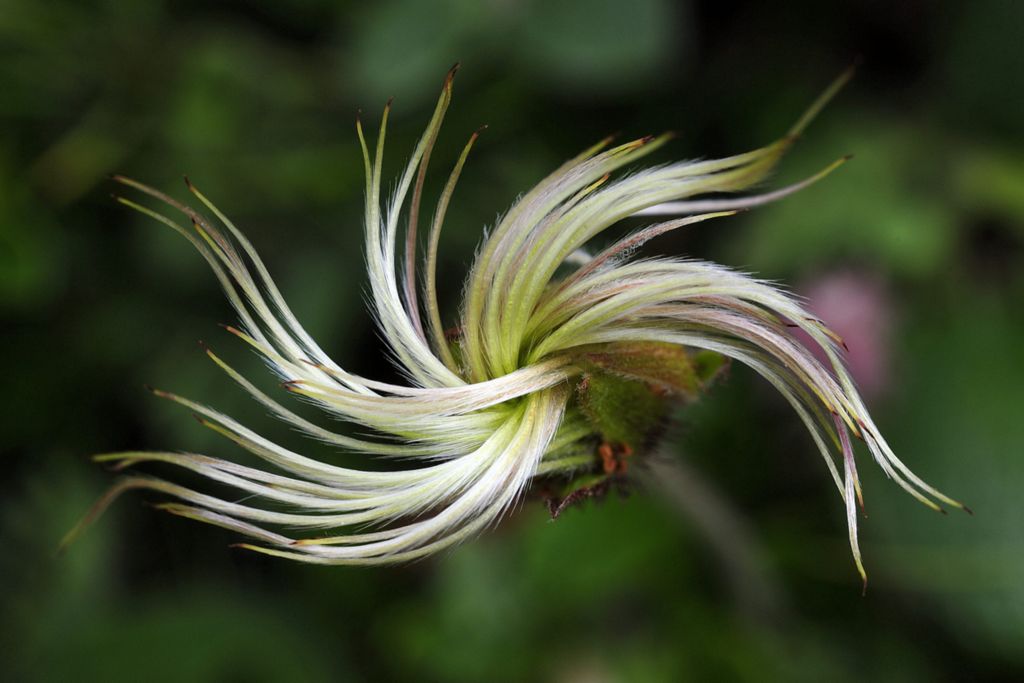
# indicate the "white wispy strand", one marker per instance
pixel 473 428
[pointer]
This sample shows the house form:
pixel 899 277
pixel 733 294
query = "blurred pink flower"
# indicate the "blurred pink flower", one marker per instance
pixel 857 306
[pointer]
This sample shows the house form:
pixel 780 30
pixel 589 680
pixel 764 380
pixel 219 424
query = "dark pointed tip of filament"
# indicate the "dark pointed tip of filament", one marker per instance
pixel 967 509
pixel 188 183
pixel 157 392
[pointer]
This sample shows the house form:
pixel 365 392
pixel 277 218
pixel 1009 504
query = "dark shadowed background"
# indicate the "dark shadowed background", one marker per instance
pixel 739 570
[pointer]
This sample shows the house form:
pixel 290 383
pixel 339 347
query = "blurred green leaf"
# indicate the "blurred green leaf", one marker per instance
pixel 593 47
pixel 891 206
pixel 958 427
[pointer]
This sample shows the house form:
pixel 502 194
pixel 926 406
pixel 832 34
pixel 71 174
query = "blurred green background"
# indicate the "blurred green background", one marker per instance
pixel 738 569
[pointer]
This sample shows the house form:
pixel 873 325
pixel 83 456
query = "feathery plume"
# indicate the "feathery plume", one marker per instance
pixel 561 367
